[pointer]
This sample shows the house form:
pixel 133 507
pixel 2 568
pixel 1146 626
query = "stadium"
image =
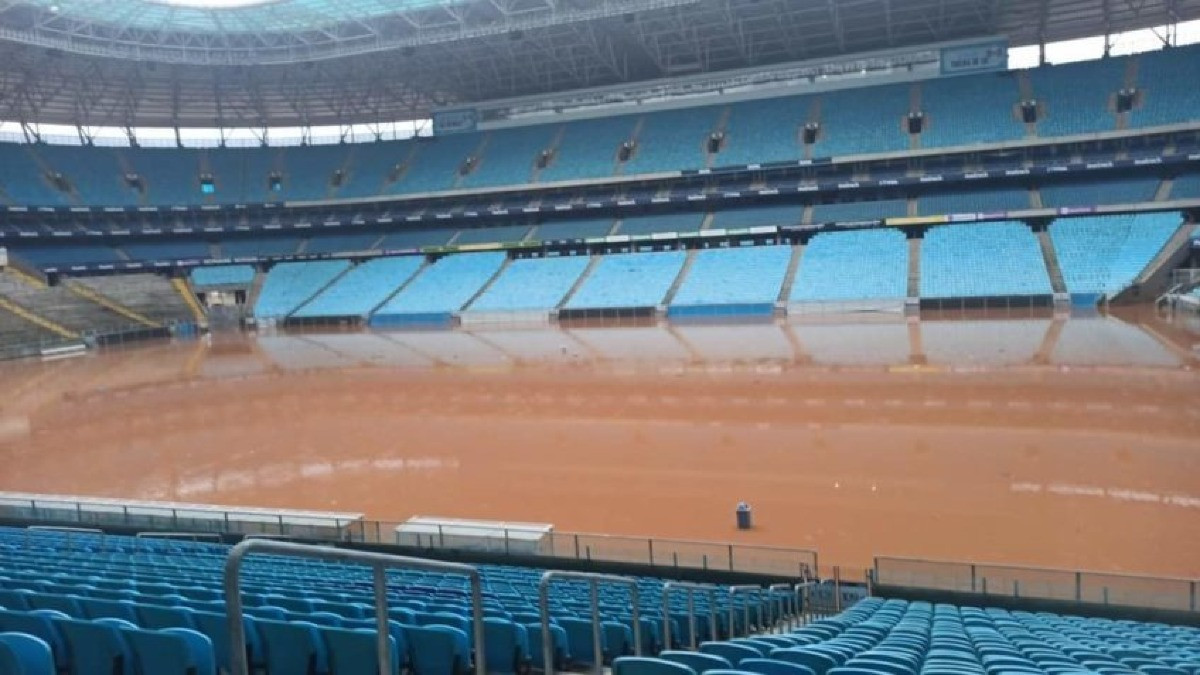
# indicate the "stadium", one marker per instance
pixel 652 337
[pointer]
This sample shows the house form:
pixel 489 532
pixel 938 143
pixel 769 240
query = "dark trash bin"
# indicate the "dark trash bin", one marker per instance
pixel 745 516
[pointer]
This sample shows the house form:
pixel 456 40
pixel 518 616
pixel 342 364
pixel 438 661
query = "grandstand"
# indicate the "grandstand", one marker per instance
pixel 784 287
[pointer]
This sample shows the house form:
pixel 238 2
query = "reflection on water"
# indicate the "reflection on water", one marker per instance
pixel 950 344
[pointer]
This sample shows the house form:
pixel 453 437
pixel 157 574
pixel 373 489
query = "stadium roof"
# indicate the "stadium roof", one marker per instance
pixel 327 62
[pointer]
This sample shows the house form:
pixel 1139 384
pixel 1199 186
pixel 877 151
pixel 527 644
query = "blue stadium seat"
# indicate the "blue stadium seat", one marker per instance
pixel 558 637
pixel 293 647
pixel 355 652
pixel 774 667
pixel 732 652
pixel 43 628
pixel 443 287
pixel 155 617
pixel 1105 254
pixel 23 654
pixel 699 662
pixel 174 651
pixel 749 276
pixel 852 265
pixel 289 285
pixel 96 647
pixel 579 641
pixel 506 646
pixel 1076 96
pixel 641 665
pixel 437 649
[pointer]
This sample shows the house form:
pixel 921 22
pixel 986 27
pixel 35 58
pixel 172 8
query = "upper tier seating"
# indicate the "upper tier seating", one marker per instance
pixel 976 201
pixel 970 110
pixel 261 246
pixel 628 280
pixel 23 180
pixel 666 222
pixel 288 285
pixel 673 139
pixel 846 212
pixel 1104 254
pixel 859 121
pixel 172 176
pixel 983 259
pixel 1186 186
pixel 588 148
pixel 1163 100
pixel 223 275
pixel 1073 99
pixel 445 286
pixel 750 275
pixel 342 243
pixel 436 164
pixel 150 295
pixel 100 180
pixel 756 217
pixel 484 235
pixel 362 288
pixel 1110 191
pixel 510 156
pixel 173 249
pixel 853 265
pixel 68 254
pixel 763 131
pixel 573 229
pixel 1076 98
pixel 410 239
pixel 531 284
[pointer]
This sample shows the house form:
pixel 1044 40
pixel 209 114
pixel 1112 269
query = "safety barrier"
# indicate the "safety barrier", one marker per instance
pixel 594 581
pixel 691 589
pixel 379 564
pixel 1014 581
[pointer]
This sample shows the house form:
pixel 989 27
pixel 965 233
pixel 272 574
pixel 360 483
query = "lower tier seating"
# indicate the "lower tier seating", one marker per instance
pixel 532 284
pixel 288 285
pixel 361 289
pixel 445 286
pixel 1104 254
pixel 980 260
pixel 628 280
pixel 852 265
pixel 752 276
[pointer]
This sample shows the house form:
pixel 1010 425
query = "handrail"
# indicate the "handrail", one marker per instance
pixel 691 589
pixel 785 603
pixel 378 562
pixel 186 536
pixel 735 591
pixel 594 580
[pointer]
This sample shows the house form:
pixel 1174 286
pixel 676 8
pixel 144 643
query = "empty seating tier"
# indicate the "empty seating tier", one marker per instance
pixel 533 284
pixel 361 289
pixel 1093 193
pixel 854 265
pixel 149 295
pixel 628 280
pixel 288 285
pixel 442 288
pixel 223 275
pixel 982 260
pixel 1104 254
pixel 749 277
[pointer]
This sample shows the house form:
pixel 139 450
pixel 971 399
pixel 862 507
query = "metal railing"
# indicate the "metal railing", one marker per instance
pixel 782 605
pixel 734 592
pixel 379 564
pixel 655 552
pixel 594 581
pixel 691 590
pixel 1014 581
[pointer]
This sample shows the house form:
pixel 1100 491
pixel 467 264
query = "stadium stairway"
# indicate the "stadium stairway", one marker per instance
pixel 89 293
pixel 16 309
pixel 487 284
pixel 1164 189
pixel 1051 258
pixel 914 267
pixel 189 298
pixel 587 272
pixel 688 261
pixel 785 291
